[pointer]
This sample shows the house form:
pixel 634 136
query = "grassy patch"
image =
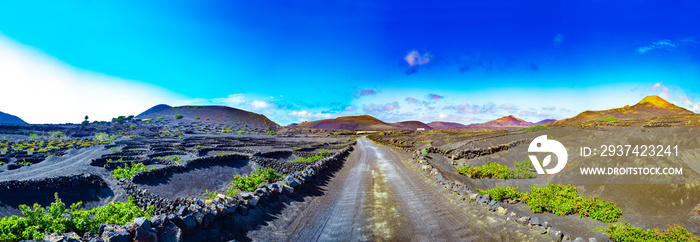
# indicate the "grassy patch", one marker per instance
pixel 37 220
pixel 607 120
pixel 252 181
pixel 129 171
pixel 465 135
pixel 535 128
pixel 308 159
pixel 498 171
pixel 560 200
pixel 625 232
pixel 178 116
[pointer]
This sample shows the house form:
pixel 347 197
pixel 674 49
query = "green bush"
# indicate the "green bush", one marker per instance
pixel 56 134
pixel 560 200
pixel 500 193
pixel 535 128
pixel 129 171
pixel 308 159
pixel 210 195
pixel 607 120
pixel 178 116
pixel 132 126
pixel 252 181
pixel 564 199
pixel 38 221
pixel 490 170
pixel 625 232
pixel 424 152
pixel 241 132
pixel 159 118
pixel 498 171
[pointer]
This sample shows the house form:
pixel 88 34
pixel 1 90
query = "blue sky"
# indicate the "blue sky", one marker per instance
pixel 462 61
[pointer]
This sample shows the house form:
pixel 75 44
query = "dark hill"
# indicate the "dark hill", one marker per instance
pixel 220 114
pixel 6 118
pixel 156 108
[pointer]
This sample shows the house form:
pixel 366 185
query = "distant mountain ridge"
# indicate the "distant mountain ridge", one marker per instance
pixel 509 121
pixel 363 122
pixel 6 118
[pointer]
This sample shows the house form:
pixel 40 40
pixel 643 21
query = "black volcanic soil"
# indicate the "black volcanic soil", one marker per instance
pixel 192 182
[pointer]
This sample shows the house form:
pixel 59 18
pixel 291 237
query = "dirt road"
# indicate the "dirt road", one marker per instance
pixel 374 196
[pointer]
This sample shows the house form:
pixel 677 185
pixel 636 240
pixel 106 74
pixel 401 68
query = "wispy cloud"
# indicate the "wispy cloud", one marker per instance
pixel 473 109
pixel 414 58
pixel 433 96
pixel 411 100
pixel 661 44
pixel 364 92
pixel 307 114
pixel 375 108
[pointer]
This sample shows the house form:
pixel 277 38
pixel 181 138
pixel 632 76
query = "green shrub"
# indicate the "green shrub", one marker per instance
pixel 132 126
pixel 271 132
pixel 230 191
pixel 560 200
pixel 178 116
pixel 129 171
pixel 308 159
pixel 210 195
pixel 500 193
pixel 607 120
pixel 490 170
pixel 535 128
pixel 625 232
pixel 196 117
pixel 241 132
pixel 564 199
pixel 38 221
pixel 252 181
pixel 323 151
pixel 56 134
pixel 424 152
pixel 498 171
pixel 159 118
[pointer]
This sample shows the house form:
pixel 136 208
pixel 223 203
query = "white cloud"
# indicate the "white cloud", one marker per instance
pixel 233 100
pixel 260 104
pixel 661 44
pixel 656 86
pixel 307 114
pixel 41 89
pixel 414 58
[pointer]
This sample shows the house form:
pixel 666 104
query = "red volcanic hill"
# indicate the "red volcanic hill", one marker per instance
pixel 209 113
pixel 363 122
pixel 505 122
pixel 446 125
pixel 650 106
